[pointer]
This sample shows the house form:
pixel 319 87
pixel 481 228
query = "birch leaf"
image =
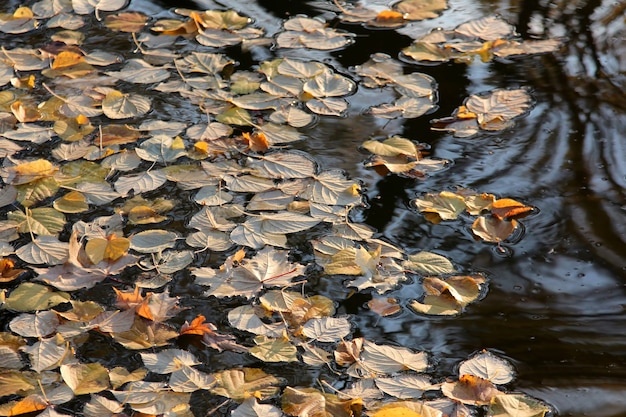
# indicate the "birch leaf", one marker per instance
pixel 85 378
pixel 44 250
pixel 327 329
pixel 488 366
pixel 117 105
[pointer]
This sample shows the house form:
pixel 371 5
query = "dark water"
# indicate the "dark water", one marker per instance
pixel 555 306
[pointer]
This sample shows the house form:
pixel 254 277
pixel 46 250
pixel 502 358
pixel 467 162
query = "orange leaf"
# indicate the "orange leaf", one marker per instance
pixel 7 272
pixel 390 17
pixel 384 306
pixel 197 326
pixel 506 208
pixel 127 300
pixel 67 59
pixel 257 142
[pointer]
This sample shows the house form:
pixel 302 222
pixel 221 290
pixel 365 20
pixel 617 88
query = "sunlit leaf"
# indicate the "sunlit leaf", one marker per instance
pixel 251 408
pixel 43 250
pixel 47 354
pixel 246 318
pixel 72 202
pixel 445 205
pixel 100 406
pixel 518 405
pixel 309 402
pixel 488 366
pixel 470 389
pixel 237 384
pixel 145 334
pixel 327 329
pixel 168 361
pixel 282 165
pixel 150 241
pixel 405 386
pixel 492 229
pixel 39 324
pixel 88 6
pixel 117 105
pixel 126 22
pixel 329 84
pixel 140 183
pixel 136 71
pixel 428 263
pixel 507 208
pixel 30 296
pixel 43 221
pixel 385 359
pixel 421 9
pixel 487 28
pixel 273 350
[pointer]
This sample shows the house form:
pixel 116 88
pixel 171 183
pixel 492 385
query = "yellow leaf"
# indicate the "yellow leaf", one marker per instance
pixel 72 202
pixel 110 249
pixel 392 410
pixel 32 171
pixel 67 59
pixel 85 378
pixel 23 13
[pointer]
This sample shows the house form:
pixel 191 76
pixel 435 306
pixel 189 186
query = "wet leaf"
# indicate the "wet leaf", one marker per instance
pixel 420 9
pixel 85 378
pixel 518 405
pixel 444 206
pixel 39 324
pixel 140 183
pixel 405 386
pixel 428 263
pixel 44 250
pixel 246 318
pixel 238 384
pixel 487 28
pixel 470 389
pixel 273 350
pixel 151 241
pixel 251 408
pixel 117 105
pixel 126 22
pixel 168 361
pixel 492 229
pixel 488 366
pixel 309 402
pixel 506 208
pixel 327 329
pixel 385 359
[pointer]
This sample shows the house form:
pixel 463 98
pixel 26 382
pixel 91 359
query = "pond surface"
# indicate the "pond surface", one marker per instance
pixel 556 300
pixel 556 305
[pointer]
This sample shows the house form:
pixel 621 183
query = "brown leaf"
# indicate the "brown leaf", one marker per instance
pixel 349 352
pixel 7 271
pixel 470 389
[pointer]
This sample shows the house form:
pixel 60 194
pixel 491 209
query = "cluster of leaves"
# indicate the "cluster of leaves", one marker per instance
pixel 398 15
pixel 487 37
pixel 497 226
pixel 92 112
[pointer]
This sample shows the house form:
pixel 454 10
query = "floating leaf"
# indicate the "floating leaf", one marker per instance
pixel 488 366
pixel 506 208
pixel 385 359
pixel 117 105
pixel 492 229
pixel 428 263
pixel 518 405
pixel 39 324
pixel 151 241
pixel 273 350
pixel 470 389
pixel 443 206
pixel 85 378
pixel 327 329
pixel 420 9
pixel 126 22
pixel 44 250
pixel 251 408
pixel 405 386
pixel 140 183
pixel 168 361
pixel 309 402
pixel 238 383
